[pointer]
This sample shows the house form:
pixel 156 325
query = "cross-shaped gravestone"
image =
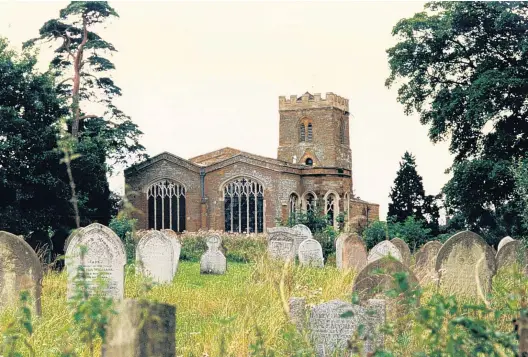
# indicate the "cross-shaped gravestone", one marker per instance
pixel 213 261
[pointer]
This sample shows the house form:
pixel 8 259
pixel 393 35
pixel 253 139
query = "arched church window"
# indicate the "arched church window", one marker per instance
pixel 309 162
pixel 310 201
pixel 302 132
pixel 166 206
pixel 331 209
pixel 309 132
pixel 244 206
pixel 294 202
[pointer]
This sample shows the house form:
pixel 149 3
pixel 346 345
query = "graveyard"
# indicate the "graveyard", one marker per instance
pixel 156 202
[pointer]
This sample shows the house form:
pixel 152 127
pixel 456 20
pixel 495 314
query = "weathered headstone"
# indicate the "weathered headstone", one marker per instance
pixel 297 306
pixel 383 249
pixel 425 262
pixel 378 277
pixel 333 324
pixel 213 261
pixel 311 253
pixel 20 270
pixel 141 329
pixel 464 258
pixel 404 250
pixel 504 241
pixel 301 232
pixel 513 252
pixel 281 244
pixel 105 257
pixel 354 254
pixel 140 233
pixel 176 246
pixel 339 250
pixel 155 257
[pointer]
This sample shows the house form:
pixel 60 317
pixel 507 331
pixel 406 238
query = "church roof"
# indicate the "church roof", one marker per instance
pixel 214 156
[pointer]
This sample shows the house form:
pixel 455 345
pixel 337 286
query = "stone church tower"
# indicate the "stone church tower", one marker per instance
pixel 314 131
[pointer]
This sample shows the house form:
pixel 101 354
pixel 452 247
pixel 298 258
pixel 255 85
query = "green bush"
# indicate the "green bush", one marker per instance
pixel 124 227
pixel 326 238
pixel 236 247
pixel 374 233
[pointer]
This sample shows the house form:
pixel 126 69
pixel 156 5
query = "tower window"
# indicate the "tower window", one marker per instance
pixel 310 132
pixel 302 133
pixel 309 162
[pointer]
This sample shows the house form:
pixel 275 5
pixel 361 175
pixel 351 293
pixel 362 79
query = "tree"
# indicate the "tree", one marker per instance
pixel 408 197
pixel 462 66
pixel 520 171
pixel 33 185
pixel 105 137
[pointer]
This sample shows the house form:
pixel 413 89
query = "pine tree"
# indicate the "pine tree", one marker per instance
pixel 408 196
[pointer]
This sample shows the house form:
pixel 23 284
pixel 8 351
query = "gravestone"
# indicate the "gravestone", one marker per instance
pixel 155 257
pixel 378 277
pixel 333 324
pixel 513 252
pixel 456 264
pixel 311 253
pixel 139 234
pixel 141 329
pixel 404 250
pixel 281 243
pixel 213 261
pixel 383 249
pixel 504 241
pixel 20 270
pixel 176 246
pixel 301 232
pixel 425 264
pixel 105 257
pixel 339 250
pixel 354 253
pixel 297 307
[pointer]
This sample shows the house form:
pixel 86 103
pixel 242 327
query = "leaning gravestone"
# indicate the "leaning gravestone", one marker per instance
pixel 155 257
pixel 404 250
pixel 383 249
pixel 140 233
pixel 176 246
pixel 141 329
pixel 504 241
pixel 354 253
pixel 333 324
pixel 311 253
pixel 20 270
pixel 378 277
pixel 213 261
pixel 512 252
pixel 281 243
pixel 301 232
pixel 462 259
pixel 425 264
pixel 105 257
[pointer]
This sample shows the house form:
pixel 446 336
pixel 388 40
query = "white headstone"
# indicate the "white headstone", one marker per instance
pixel 213 261
pixel 155 257
pixel 503 241
pixel 311 253
pixel 176 246
pixel 301 233
pixel 105 256
pixel 281 243
pixel 383 249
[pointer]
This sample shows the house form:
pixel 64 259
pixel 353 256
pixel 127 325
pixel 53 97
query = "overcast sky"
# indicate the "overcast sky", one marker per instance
pixel 200 76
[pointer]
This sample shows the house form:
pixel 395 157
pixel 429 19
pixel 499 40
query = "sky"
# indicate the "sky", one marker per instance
pixel 200 76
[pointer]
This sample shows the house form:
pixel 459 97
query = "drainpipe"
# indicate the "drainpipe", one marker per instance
pixel 202 182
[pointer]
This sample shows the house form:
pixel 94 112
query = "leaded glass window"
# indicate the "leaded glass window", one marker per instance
pixel 166 206
pixel 244 206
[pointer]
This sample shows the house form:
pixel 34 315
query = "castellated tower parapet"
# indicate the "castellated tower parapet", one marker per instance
pixel 308 101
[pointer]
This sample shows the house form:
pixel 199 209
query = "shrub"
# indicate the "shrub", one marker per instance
pixel 374 233
pixel 124 227
pixel 327 238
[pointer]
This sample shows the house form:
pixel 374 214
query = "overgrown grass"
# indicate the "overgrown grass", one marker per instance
pixel 221 315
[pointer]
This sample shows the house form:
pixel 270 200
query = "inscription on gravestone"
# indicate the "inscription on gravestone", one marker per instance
pixel 281 244
pixel 104 259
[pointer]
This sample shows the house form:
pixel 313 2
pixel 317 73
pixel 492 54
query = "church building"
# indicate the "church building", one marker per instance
pixel 235 191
